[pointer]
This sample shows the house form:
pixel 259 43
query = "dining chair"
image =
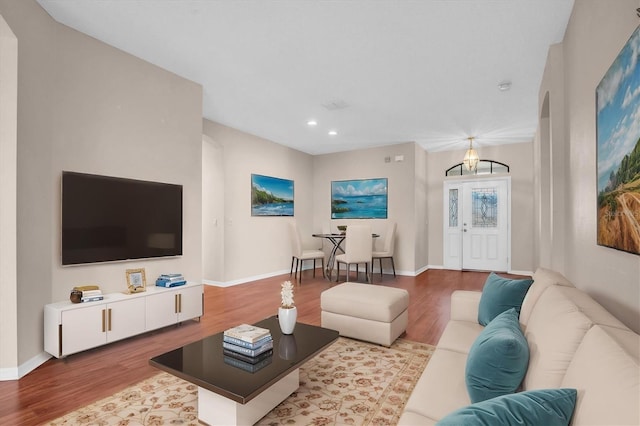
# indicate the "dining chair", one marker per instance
pixel 299 254
pixel 357 249
pixel 387 249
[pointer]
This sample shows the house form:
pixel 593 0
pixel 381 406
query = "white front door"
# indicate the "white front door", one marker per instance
pixel 477 224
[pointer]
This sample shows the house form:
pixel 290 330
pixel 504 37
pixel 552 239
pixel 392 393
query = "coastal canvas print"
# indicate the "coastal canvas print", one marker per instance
pixel 359 199
pixel 618 150
pixel 271 196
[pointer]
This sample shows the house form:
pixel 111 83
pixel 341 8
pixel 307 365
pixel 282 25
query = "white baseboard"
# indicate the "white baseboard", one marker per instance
pixel 273 274
pixel 515 272
pixel 243 280
pixel 15 373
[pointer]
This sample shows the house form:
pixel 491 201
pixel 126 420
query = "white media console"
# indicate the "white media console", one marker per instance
pixel 75 327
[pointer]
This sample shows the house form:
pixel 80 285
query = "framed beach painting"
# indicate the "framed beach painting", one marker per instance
pixel 359 199
pixel 618 150
pixel 271 196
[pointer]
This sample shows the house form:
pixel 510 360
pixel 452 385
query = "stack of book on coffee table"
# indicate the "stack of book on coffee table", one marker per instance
pixel 248 347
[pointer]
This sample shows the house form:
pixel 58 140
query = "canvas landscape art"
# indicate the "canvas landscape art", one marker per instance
pixel 618 150
pixel 271 196
pixel 359 199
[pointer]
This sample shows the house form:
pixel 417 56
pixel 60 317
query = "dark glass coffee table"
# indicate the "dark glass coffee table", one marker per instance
pixel 229 394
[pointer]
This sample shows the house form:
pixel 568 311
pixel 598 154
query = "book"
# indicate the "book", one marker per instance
pixel 163 283
pixel 254 345
pixel 247 351
pixel 170 275
pixel 92 298
pixel 87 287
pixel 247 358
pixel 248 333
pixel 90 293
pixel 251 368
pixel 171 279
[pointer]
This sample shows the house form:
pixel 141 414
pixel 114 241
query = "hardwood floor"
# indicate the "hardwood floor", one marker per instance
pixel 62 385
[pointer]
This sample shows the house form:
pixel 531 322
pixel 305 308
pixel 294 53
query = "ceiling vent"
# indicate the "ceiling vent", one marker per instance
pixel 335 105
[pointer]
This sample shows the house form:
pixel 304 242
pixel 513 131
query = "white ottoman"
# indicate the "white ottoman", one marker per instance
pixel 368 312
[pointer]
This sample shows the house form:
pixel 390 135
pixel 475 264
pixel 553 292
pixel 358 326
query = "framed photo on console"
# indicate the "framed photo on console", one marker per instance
pixel 136 280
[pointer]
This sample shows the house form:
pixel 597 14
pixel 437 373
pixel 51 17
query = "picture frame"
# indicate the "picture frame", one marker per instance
pixel 271 196
pixel 136 280
pixel 359 199
pixel 618 151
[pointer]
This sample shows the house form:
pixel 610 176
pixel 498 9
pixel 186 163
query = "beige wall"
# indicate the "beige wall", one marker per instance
pixel 256 247
pixel 597 31
pixel 87 107
pixel 401 175
pixel 212 210
pixel 519 158
pixel 8 194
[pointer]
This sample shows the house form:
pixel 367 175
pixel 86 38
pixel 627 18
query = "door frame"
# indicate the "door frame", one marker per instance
pixel 452 255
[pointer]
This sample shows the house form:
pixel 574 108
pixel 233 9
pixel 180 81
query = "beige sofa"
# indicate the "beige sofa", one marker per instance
pixel 573 342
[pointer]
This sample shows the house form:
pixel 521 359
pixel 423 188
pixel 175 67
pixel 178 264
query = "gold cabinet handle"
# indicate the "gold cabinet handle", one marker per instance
pixel 109 319
pixel 104 320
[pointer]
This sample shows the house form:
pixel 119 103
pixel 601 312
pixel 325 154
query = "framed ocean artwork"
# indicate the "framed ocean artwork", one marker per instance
pixel 359 199
pixel 271 196
pixel 618 150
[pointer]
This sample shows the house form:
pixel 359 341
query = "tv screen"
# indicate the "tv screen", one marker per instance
pixel 108 218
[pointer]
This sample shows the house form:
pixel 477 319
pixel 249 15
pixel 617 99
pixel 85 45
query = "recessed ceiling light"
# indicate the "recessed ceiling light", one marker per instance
pixel 312 123
pixel 504 86
pixel 332 132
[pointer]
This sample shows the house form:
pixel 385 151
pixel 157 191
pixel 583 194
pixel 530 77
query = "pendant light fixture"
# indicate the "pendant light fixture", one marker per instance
pixel 471 157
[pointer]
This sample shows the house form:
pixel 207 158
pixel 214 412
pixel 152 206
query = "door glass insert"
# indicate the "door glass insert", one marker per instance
pixel 453 208
pixel 484 207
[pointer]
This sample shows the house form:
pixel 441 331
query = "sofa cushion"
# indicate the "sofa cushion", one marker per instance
pixel 539 407
pixel 497 359
pixel 558 323
pixel 542 279
pixel 500 294
pixel 440 389
pixel 459 335
pixel 605 370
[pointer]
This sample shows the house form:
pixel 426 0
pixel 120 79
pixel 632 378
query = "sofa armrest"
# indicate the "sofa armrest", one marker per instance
pixel 464 305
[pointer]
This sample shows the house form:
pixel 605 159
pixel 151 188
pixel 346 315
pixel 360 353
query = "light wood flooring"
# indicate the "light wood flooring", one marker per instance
pixel 62 385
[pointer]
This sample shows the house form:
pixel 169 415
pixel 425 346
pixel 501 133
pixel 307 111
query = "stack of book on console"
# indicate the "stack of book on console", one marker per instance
pixel 248 347
pixel 170 280
pixel 90 293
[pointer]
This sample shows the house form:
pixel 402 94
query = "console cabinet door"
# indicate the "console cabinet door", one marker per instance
pixel 190 303
pixel 125 318
pixel 83 328
pixel 161 309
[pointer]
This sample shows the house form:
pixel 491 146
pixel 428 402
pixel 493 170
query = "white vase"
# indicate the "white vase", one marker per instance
pixel 287 319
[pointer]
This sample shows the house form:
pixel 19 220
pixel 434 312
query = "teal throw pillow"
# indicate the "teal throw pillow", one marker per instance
pixel 549 407
pixel 498 359
pixel 500 294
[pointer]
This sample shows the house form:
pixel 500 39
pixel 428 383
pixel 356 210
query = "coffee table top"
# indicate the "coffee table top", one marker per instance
pixel 203 363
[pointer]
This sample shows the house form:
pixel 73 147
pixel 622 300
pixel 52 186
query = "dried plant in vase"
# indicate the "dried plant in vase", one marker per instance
pixel 286 295
pixel 287 313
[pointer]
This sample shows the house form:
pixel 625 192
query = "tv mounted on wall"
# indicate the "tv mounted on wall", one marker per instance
pixel 110 218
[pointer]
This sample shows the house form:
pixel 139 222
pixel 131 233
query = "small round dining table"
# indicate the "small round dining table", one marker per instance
pixel 336 240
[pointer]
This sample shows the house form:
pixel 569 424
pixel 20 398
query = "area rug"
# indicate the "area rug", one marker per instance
pixel 349 383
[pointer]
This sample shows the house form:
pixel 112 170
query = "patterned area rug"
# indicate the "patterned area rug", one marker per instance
pixel 349 383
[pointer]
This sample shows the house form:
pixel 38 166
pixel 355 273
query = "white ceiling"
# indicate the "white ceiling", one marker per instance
pixel 398 71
